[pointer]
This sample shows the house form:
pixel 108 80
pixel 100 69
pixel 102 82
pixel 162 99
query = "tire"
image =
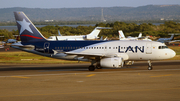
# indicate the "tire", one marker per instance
pixel 150 68
pixel 91 68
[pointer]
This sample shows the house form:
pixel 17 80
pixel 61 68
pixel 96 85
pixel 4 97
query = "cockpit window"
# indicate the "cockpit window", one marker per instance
pixel 163 47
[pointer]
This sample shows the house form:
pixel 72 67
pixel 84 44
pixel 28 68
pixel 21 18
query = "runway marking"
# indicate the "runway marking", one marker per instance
pixel 161 75
pixel 33 75
pixel 135 90
pixel 20 77
pixel 90 75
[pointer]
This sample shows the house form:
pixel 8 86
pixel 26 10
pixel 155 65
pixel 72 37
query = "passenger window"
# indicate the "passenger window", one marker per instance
pixel 102 47
pixel 94 47
pixel 99 47
pixel 109 47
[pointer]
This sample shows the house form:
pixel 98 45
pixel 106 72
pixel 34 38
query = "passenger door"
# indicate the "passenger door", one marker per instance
pixel 46 47
pixel 148 48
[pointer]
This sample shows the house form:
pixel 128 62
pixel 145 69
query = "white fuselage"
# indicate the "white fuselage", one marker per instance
pixel 134 50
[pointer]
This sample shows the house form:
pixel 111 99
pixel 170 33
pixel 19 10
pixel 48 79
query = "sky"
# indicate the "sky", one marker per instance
pixel 83 3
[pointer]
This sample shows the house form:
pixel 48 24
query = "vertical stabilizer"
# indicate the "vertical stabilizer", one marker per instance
pixel 27 31
pixel 172 37
pixel 121 35
pixel 94 34
pixel 140 35
pixel 59 33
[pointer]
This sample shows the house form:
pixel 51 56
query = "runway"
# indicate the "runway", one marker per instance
pixel 74 82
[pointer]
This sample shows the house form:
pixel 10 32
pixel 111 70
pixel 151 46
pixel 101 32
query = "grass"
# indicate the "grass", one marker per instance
pixel 29 58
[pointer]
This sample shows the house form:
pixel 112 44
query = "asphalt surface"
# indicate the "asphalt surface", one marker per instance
pixel 73 82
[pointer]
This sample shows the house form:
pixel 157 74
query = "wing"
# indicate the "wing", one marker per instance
pixel 86 54
pixel 99 55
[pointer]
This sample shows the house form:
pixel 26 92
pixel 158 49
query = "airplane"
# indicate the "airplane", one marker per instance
pixel 93 35
pixel 107 54
pixel 122 37
pixel 11 41
pixel 1 44
pixel 168 40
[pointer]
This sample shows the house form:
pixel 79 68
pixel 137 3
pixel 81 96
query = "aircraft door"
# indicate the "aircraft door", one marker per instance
pixel 46 47
pixel 148 48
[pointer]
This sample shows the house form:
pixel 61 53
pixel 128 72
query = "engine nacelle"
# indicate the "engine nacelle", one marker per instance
pixel 114 62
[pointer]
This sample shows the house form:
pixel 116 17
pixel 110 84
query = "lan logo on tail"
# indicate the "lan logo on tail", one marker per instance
pixel 24 26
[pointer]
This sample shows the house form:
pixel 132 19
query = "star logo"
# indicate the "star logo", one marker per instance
pixel 24 26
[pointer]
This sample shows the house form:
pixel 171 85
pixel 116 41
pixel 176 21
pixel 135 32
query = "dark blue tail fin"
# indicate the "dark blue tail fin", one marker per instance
pixel 27 31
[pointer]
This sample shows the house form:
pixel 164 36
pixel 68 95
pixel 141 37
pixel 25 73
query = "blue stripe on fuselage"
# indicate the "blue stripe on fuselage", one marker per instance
pixel 40 46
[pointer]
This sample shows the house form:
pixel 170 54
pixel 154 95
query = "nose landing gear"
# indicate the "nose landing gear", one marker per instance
pixel 149 65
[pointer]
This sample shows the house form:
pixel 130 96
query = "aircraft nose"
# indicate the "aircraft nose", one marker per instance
pixel 173 53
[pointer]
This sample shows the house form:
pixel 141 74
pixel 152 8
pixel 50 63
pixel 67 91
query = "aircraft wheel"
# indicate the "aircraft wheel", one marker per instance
pixel 150 68
pixel 91 68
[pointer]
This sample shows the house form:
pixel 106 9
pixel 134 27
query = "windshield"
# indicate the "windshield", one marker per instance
pixel 163 47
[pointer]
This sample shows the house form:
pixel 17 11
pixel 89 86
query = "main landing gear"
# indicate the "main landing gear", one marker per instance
pixel 149 65
pixel 92 67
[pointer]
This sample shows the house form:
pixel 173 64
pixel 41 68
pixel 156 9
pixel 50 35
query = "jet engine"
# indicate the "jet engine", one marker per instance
pixel 114 62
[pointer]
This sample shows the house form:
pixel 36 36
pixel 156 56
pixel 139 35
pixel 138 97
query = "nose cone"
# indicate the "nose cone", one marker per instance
pixel 172 54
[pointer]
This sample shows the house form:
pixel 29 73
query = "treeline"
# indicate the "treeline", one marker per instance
pixel 129 29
